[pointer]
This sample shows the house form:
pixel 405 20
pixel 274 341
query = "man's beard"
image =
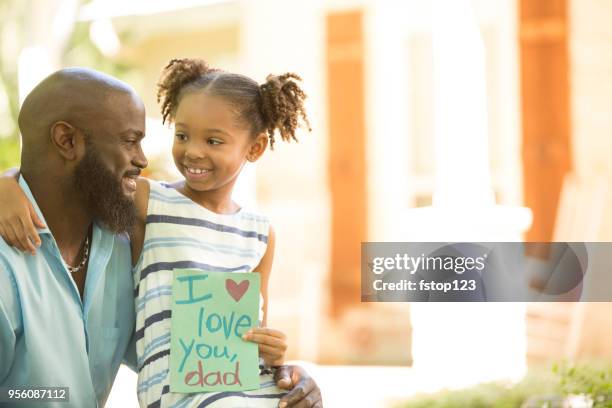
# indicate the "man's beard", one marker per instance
pixel 103 193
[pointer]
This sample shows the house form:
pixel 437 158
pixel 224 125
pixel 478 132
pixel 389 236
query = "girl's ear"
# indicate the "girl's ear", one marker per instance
pixel 258 147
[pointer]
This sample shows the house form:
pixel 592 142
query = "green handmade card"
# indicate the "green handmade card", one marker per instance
pixel 210 313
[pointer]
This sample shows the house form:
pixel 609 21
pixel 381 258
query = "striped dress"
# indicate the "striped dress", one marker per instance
pixel 183 234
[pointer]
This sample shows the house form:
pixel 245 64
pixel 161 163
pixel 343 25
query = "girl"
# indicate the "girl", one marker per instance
pixel 222 120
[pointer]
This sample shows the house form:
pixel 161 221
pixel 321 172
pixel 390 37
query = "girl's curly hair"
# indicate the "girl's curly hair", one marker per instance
pixel 278 104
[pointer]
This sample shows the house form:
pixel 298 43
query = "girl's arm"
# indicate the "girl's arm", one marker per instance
pixel 265 269
pixel 138 231
pixel 18 219
pixel 272 343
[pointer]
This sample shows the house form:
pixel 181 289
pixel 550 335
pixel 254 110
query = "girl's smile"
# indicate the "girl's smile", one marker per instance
pixel 196 173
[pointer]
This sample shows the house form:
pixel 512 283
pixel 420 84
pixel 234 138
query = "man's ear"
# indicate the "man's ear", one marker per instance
pixel 258 147
pixel 65 139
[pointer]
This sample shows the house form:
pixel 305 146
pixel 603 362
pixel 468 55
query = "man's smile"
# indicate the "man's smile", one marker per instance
pixel 129 183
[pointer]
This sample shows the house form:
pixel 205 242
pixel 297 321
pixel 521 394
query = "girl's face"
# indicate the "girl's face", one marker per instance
pixel 210 146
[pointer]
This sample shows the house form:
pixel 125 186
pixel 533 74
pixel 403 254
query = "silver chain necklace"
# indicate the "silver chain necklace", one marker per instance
pixel 75 269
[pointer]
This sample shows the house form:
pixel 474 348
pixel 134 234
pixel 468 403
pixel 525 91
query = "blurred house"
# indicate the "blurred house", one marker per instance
pixel 368 70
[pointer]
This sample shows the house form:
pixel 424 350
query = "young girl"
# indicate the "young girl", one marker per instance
pixel 222 120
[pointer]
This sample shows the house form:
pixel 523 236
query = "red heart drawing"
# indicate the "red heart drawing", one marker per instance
pixel 236 290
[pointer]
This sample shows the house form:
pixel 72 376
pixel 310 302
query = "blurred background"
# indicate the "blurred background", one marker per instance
pixel 439 120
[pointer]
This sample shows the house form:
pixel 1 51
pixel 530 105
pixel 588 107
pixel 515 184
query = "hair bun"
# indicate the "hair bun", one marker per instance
pixel 283 105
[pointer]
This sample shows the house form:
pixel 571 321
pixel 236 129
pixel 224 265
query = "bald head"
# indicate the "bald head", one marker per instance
pixel 78 96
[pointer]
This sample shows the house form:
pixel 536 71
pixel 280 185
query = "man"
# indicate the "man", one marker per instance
pixel 67 311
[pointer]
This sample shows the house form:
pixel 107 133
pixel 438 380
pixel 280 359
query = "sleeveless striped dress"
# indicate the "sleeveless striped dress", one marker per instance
pixel 182 234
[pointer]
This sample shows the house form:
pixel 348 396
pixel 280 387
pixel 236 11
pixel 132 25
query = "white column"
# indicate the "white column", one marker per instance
pixel 387 108
pixel 462 156
pixel 464 342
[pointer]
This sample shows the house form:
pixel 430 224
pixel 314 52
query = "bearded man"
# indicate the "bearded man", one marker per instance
pixel 67 309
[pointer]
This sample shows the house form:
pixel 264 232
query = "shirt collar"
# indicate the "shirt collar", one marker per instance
pixel 26 189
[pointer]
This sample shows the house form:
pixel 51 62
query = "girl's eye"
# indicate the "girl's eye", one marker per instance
pixel 214 141
pixel 181 136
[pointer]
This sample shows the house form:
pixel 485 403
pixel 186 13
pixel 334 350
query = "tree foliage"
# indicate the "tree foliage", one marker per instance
pixel 15 35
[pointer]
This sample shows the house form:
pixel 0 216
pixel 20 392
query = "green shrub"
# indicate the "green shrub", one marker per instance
pixel 489 395
pixel 9 153
pixel 592 380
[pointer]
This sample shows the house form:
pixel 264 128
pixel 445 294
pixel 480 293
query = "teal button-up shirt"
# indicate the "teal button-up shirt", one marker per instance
pixel 48 337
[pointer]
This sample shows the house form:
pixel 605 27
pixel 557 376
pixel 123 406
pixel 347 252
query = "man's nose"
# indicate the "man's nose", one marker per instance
pixel 140 160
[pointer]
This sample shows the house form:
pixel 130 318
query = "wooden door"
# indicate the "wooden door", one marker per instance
pixel 545 109
pixel 347 168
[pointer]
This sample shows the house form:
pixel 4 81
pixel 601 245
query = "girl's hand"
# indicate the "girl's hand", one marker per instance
pixel 272 344
pixel 18 218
